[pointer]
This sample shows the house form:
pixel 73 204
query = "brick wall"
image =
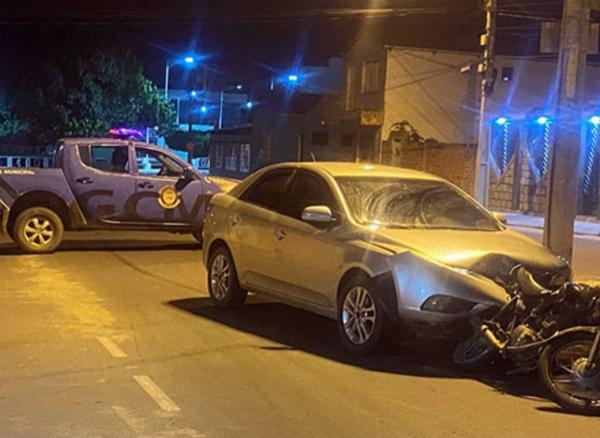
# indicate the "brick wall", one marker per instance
pixel 454 162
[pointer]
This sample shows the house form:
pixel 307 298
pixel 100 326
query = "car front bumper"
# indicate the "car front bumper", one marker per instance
pixel 417 278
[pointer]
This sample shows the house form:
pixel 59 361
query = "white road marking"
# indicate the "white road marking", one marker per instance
pixel 111 347
pixel 156 394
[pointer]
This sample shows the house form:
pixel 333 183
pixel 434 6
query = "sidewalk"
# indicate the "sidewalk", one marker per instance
pixel 583 225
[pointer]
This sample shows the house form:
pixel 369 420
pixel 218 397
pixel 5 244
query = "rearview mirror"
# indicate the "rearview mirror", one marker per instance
pixel 317 214
pixel 500 217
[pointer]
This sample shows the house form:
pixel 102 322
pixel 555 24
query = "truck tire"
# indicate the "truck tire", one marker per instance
pixel 38 230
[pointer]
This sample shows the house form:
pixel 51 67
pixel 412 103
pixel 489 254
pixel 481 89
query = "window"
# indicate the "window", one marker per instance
pixel 269 190
pixel 155 163
pixel 320 138
pixel 245 158
pixel 231 160
pixel 370 81
pixel 307 189
pixel 350 79
pixel 113 159
pixel 219 156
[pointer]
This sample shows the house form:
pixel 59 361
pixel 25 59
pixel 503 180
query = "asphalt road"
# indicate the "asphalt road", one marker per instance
pixel 113 336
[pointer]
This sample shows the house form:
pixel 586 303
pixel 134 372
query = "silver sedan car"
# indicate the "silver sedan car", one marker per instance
pixel 369 246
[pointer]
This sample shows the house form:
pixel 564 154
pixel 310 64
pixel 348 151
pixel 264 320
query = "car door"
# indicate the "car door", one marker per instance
pixel 102 182
pixel 308 257
pixel 253 223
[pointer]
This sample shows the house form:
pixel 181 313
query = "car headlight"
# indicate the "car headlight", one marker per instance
pixel 447 304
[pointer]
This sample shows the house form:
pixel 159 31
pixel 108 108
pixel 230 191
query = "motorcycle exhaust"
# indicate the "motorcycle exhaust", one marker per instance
pixel 489 334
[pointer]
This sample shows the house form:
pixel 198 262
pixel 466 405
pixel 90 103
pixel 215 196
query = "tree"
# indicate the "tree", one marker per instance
pixel 85 89
pixel 10 125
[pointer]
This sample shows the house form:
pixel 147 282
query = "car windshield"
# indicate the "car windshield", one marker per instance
pixel 412 203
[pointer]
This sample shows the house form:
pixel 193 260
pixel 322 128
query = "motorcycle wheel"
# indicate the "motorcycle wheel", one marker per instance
pixel 474 352
pixel 562 370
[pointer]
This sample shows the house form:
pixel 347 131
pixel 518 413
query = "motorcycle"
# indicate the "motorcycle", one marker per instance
pixel 555 331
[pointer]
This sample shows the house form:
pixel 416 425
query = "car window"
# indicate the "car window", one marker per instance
pixel 113 159
pixel 307 189
pixel 269 189
pixel 155 163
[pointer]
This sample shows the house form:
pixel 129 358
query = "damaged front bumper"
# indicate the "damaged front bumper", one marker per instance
pixel 433 293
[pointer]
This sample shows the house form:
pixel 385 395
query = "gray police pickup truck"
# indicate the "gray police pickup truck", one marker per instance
pixel 102 184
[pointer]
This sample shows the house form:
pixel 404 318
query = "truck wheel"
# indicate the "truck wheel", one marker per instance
pixel 38 230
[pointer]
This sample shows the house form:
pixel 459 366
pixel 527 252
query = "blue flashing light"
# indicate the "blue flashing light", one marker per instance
pixel 293 78
pixel 194 93
pixel 203 109
pixel 542 120
pixel 249 105
pixel 595 120
pixel 189 60
pixel 501 121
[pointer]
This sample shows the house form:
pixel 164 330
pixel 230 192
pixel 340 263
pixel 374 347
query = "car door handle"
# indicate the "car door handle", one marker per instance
pixel 280 234
pixel 145 185
pixel 234 220
pixel 85 180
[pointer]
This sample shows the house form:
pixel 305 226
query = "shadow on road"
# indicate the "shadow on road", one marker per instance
pixel 110 245
pixel 296 329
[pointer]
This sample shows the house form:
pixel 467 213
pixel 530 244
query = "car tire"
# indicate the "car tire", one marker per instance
pixel 362 319
pixel 223 284
pixel 38 230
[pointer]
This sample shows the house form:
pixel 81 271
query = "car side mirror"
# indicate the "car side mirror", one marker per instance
pixel 317 214
pixel 500 217
pixel 186 177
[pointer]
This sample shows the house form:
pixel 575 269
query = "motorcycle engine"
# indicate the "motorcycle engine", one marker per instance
pixel 523 335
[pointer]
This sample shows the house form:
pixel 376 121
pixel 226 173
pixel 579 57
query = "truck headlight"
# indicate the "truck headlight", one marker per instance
pixel 446 304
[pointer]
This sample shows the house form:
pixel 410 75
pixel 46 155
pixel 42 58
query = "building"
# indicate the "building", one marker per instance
pixel 415 108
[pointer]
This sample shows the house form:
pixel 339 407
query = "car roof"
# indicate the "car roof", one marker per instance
pixel 346 169
pixel 74 141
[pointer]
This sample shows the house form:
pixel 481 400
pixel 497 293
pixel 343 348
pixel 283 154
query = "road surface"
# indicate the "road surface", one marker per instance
pixel 113 336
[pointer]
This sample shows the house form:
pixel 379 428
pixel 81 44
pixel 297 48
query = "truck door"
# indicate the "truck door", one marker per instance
pixel 160 199
pixel 101 179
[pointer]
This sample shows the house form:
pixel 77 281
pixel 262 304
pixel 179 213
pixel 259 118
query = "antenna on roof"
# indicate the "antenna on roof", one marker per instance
pixel 312 156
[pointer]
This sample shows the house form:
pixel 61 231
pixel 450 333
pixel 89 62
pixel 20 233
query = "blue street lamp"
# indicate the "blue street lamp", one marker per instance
pixel 249 105
pixel 188 60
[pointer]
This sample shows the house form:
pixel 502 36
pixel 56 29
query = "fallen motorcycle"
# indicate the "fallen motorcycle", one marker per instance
pixel 557 332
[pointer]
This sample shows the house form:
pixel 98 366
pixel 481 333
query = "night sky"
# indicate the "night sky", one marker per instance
pixel 257 34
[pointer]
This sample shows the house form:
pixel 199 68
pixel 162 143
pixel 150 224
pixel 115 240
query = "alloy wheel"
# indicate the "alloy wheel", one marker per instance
pixel 359 315
pixel 220 276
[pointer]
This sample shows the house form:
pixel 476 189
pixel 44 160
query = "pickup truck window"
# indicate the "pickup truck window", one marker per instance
pixel 105 158
pixel 154 163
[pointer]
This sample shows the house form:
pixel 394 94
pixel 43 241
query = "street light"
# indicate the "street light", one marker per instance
pixel 189 60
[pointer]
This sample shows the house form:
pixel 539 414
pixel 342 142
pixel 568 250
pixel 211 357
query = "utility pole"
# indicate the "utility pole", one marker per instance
pixel 564 170
pixel 486 69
